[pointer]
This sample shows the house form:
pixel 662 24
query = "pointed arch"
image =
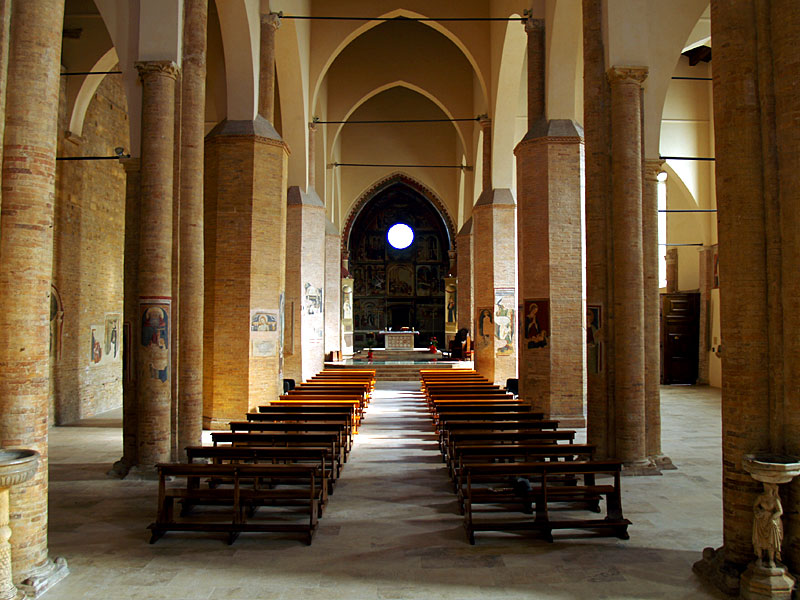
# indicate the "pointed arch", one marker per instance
pixel 398 13
pixel 382 184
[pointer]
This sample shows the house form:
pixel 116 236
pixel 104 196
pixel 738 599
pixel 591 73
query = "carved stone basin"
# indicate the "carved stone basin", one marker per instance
pixel 771 468
pixel 16 466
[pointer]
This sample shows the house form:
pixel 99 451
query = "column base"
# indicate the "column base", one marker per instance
pixel 760 582
pixel 714 569
pixel 119 470
pixel 142 473
pixel 44 577
pixel 640 468
pixel 664 463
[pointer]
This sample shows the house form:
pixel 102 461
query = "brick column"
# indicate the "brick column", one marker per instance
pixel 652 342
pixel 549 228
pixel 748 132
pixel 130 398
pixel 5 36
pixel 333 288
pixel 465 299
pixel 672 270
pixel 26 251
pixel 266 81
pixel 152 329
pixel 494 273
pixel 626 167
pixel 706 269
pixel 305 280
pixel 599 291
pixel 193 82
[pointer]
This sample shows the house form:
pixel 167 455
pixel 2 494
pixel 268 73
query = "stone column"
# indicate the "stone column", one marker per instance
pixel 152 328
pixel 312 152
pixel 535 28
pixel 626 148
pixel 652 342
pixel 26 254
pixel 599 291
pixel 494 272
pixel 333 288
pixel 266 81
pixel 193 82
pixel 466 283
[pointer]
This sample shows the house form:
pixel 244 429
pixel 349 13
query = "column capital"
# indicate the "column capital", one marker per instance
pixel 312 126
pixel 652 167
pixel 485 121
pixel 157 67
pixel 617 75
pixel 273 19
pixel 534 25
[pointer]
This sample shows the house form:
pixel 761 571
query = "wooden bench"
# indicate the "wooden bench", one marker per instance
pixel 328 441
pixel 493 436
pixel 339 427
pixel 489 484
pixel 244 497
pixel 270 455
pixel 508 453
pixel 448 428
pixel 300 416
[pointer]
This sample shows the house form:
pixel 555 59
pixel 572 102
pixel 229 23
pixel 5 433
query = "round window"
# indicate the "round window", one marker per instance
pixel 400 236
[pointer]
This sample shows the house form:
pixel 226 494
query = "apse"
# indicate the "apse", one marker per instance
pixel 398 278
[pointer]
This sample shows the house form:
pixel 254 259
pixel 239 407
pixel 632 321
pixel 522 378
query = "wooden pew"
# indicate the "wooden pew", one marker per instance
pixel 244 497
pixel 339 427
pixel 449 428
pixel 270 455
pixel 300 416
pixel 482 488
pixel 328 441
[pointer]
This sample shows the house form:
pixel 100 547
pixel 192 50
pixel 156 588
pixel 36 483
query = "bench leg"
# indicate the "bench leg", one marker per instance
pixel 156 534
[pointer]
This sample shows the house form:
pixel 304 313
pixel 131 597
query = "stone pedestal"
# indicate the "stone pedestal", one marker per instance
pixel 347 316
pixel 16 466
pixel 767 577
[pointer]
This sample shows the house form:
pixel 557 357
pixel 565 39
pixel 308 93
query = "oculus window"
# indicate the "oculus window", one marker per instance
pixel 400 236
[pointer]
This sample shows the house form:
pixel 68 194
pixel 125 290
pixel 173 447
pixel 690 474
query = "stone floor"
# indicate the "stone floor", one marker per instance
pixel 391 530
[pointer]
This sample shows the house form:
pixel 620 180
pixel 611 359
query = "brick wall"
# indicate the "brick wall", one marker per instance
pixel 88 259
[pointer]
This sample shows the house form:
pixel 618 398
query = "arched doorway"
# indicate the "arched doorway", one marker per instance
pixel 398 287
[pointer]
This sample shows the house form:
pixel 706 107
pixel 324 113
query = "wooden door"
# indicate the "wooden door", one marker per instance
pixel 680 337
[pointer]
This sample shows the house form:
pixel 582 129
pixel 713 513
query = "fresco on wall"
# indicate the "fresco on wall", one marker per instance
pixel 264 320
pixel 504 303
pixel 155 322
pixel 485 321
pixel 428 283
pixel 450 305
pixel 536 322
pixel 428 249
pixel 56 323
pixel 400 280
pixel 111 338
pixel 313 300
pixel 594 347
pixel 95 348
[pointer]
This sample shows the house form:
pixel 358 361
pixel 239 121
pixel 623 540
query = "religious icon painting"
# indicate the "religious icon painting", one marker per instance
pixel 111 338
pixel 95 348
pixel 536 322
pixel 155 338
pixel 504 303
pixel 485 324
pixel 594 347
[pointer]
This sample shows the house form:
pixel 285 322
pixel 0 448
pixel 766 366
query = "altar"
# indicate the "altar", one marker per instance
pixel 399 340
